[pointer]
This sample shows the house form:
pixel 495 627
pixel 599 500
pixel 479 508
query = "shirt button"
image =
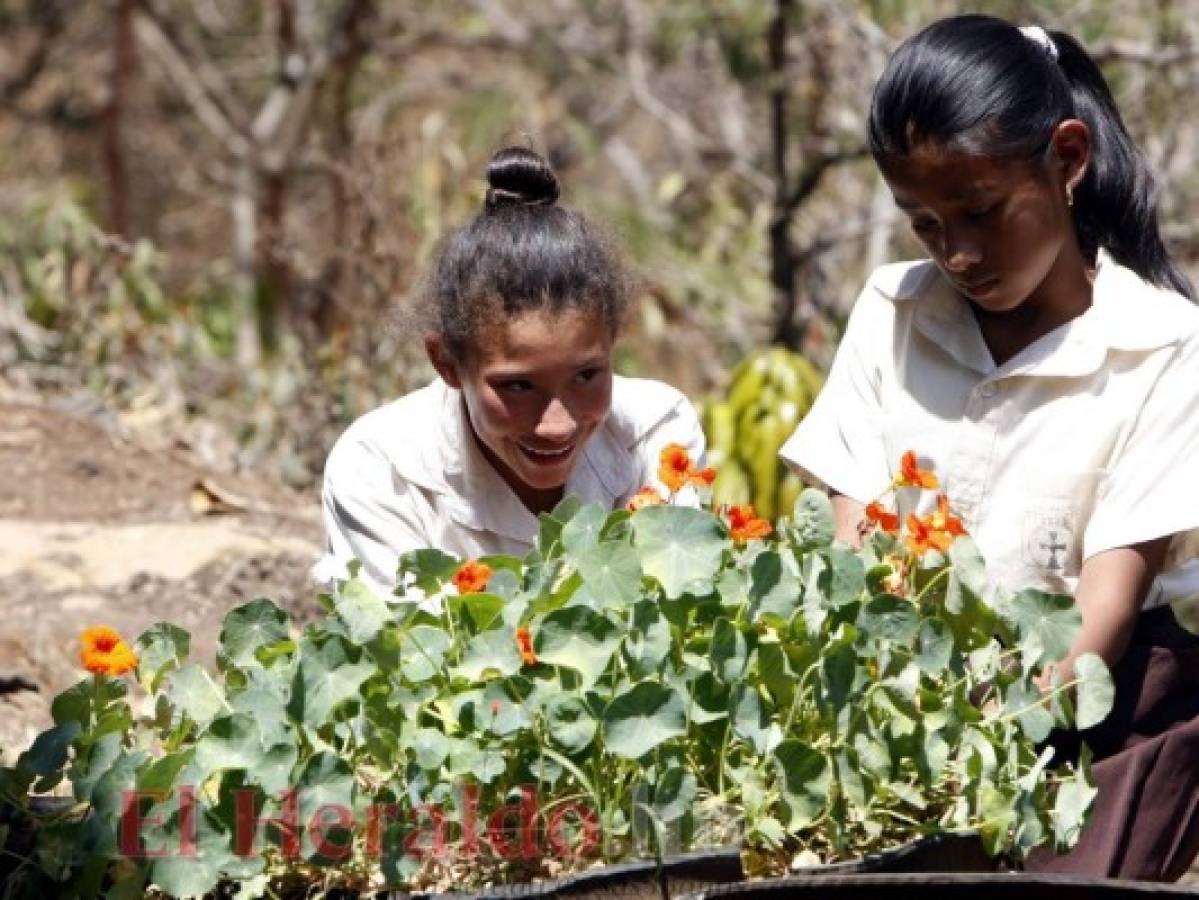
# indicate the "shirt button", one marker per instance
pixel 987 390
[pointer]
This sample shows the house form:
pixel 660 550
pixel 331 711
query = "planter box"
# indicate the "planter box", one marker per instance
pixel 940 886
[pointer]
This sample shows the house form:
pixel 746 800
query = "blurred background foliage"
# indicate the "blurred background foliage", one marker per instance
pixel 215 214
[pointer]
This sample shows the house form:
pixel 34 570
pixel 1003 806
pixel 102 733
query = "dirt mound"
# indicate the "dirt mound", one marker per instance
pixel 96 528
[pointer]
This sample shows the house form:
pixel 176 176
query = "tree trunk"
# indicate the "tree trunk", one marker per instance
pixel 124 65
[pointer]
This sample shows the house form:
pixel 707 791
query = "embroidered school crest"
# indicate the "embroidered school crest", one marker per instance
pixel 1049 541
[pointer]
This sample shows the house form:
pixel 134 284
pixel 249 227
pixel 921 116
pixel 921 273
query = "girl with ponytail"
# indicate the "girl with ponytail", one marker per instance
pixel 1045 362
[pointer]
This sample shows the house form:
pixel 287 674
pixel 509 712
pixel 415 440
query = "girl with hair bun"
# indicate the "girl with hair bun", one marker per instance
pixel 1045 362
pixel 524 301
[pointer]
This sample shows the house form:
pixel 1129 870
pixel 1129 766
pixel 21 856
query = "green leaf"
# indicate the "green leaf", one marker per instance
pixel 1072 804
pixel 429 747
pixel 196 874
pixel 890 619
pixel 674 795
pixel 806 778
pixel 193 693
pixel 160 648
pixel 1045 625
pixel 329 675
pixel 581 532
pixel 639 720
pixel 612 571
pixel 48 753
pixel 812 522
pixel 1095 691
pixel 751 720
pixel 492 654
pixel 709 699
pixel 577 638
pixel 648 643
pixel 422 652
pixel 844 579
pixel 477 612
pixel 730 651
pixel 997 808
pixel 230 742
pixel 550 525
pixel 569 723
pixel 269 710
pixel 1024 701
pixel 968 578
pixel 935 647
pixel 774 590
pixel 249 628
pixel 362 612
pixel 429 569
pixel 680 547
pixel 326 781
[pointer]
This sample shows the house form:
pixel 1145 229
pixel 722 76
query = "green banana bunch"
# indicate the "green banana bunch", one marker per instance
pixel 769 392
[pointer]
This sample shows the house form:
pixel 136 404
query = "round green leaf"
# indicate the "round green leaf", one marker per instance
pixel 160 648
pixel 329 675
pixel 812 521
pixel 193 694
pixel 642 718
pixel 492 654
pixel 577 638
pixel 249 628
pixel 730 651
pixel 679 546
pixel 569 723
pixel 1095 691
pixel 360 610
pixel 806 777
pixel 1045 625
pixel 422 652
pixel 612 571
pixel 890 619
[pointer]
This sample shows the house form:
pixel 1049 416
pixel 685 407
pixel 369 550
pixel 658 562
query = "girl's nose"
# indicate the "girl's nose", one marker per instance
pixel 557 424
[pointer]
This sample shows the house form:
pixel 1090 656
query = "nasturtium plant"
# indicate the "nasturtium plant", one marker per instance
pixel 641 680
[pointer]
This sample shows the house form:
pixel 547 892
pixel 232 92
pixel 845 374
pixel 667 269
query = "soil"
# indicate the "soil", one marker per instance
pixel 96 527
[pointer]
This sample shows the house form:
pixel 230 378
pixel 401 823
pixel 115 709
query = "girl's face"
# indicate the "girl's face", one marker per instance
pixel 536 388
pixel 999 229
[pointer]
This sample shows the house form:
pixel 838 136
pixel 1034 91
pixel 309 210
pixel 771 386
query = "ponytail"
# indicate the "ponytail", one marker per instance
pixel 1115 206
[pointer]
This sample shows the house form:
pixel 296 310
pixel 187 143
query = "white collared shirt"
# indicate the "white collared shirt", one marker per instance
pixel 410 475
pixel 1086 440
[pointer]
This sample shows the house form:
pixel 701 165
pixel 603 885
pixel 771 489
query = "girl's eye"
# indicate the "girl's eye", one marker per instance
pixel 979 214
pixel 516 386
pixel 586 375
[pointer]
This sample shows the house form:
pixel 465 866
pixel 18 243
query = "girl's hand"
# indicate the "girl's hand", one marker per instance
pixel 1111 589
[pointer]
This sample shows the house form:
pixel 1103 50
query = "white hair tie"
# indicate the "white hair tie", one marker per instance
pixel 1041 38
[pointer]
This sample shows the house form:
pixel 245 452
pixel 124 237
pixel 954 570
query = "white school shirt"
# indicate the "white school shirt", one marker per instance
pixel 1086 440
pixel 410 475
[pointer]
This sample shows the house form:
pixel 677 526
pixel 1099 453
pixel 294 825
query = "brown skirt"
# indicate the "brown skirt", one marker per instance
pixel 1145 822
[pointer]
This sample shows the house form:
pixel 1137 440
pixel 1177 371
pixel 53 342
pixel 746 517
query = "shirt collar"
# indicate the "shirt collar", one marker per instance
pixel 1126 314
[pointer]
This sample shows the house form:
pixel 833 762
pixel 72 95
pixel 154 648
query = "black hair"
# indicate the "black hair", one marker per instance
pixel 522 252
pixel 979 85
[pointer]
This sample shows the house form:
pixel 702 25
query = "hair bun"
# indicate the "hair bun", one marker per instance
pixel 516 176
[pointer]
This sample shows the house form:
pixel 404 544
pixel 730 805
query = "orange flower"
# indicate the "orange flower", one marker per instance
pixel 922 536
pixel 647 496
pixel 105 652
pixel 882 517
pixel 911 475
pixel 744 525
pixel 675 467
pixel 704 476
pixel 524 643
pixel 472 577
pixel 944 520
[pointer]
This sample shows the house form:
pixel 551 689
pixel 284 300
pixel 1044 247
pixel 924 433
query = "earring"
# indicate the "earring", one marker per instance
pixel 1069 195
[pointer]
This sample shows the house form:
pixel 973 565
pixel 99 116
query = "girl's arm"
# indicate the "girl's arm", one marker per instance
pixel 1111 588
pixel 848 516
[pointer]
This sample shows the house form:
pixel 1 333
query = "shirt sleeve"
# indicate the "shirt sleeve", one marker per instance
pixel 1152 489
pixel 369 515
pixel 839 443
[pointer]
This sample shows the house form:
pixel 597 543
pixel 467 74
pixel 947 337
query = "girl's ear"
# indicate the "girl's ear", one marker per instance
pixel 1072 150
pixel 442 361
